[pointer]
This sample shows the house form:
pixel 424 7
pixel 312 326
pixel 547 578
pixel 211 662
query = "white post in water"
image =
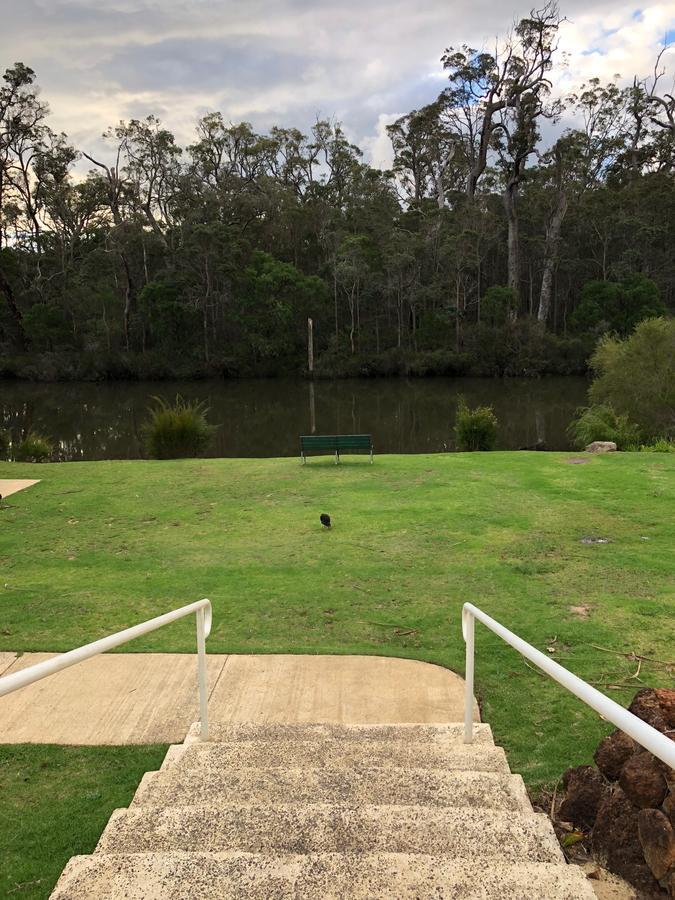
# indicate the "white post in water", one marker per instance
pixel 310 345
pixel 468 631
pixel 201 666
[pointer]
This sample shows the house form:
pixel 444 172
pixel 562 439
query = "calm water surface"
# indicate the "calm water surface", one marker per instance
pixel 265 417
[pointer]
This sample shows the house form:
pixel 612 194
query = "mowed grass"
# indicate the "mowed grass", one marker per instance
pixel 96 547
pixel 55 804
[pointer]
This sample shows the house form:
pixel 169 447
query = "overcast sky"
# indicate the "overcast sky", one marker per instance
pixel 363 62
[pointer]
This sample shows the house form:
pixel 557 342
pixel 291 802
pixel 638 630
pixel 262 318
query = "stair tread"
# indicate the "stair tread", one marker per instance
pixel 328 752
pixel 463 832
pixel 198 876
pixel 443 732
pixel 357 784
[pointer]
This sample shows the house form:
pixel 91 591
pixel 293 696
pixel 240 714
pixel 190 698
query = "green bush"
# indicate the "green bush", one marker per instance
pixel 499 305
pixel 475 429
pixel 636 377
pixel 4 445
pixel 178 430
pixel 660 446
pixel 602 423
pixel 34 448
pixel 618 306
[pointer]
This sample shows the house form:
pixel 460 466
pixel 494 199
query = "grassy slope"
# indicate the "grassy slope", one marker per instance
pixel 99 546
pixel 55 803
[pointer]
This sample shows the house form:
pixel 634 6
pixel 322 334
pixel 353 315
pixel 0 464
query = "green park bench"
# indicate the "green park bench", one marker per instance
pixel 334 443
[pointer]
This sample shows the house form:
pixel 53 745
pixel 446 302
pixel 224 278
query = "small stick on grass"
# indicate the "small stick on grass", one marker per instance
pixel 553 799
pixel 536 671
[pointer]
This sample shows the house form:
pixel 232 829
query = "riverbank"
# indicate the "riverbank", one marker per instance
pixel 96 547
pixel 522 350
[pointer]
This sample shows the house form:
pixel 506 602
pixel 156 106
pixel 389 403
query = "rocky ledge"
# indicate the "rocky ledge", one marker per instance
pixel 625 804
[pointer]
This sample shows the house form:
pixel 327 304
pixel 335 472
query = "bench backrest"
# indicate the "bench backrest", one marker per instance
pixel 336 442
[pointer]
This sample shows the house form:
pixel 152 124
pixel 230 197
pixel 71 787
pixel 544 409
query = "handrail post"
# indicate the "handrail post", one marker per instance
pixel 468 632
pixel 201 667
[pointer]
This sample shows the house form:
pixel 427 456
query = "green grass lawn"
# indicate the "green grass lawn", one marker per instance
pixel 55 804
pixel 97 547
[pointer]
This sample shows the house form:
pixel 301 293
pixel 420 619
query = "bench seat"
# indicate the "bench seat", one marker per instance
pixel 334 443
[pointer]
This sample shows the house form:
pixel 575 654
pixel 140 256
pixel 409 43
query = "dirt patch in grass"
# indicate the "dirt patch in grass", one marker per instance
pixel 581 612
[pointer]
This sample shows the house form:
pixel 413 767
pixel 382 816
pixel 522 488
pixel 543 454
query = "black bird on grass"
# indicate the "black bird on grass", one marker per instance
pixel 325 520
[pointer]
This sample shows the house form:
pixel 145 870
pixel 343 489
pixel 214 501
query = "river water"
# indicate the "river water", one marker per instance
pixel 265 417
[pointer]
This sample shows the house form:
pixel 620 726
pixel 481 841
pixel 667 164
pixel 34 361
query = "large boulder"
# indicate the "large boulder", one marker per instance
pixel 584 789
pixel 643 781
pixel 613 752
pixel 601 447
pixel 656 707
pixel 616 843
pixel 666 699
pixel 658 842
pixel 668 805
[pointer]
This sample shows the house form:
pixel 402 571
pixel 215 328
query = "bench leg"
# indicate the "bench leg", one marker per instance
pixel 371 456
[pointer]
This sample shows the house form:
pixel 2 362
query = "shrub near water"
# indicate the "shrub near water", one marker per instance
pixel 178 430
pixel 34 448
pixel 660 446
pixel 602 423
pixel 475 429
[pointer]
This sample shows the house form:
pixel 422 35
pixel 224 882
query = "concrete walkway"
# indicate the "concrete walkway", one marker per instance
pixel 14 485
pixel 145 698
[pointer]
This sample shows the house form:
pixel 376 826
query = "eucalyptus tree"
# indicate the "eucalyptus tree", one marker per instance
pixel 579 161
pixel 424 153
pixel 661 104
pixel 483 85
pixel 25 143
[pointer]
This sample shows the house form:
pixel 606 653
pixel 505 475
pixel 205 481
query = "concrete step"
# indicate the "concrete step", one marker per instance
pixel 327 752
pixel 321 828
pixel 443 733
pixel 199 876
pixel 357 785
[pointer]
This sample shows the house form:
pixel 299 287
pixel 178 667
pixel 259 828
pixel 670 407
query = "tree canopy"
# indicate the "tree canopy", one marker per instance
pixel 486 248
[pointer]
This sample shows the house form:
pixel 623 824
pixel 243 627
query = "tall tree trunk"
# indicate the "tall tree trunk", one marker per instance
pixel 510 198
pixel 129 299
pixel 7 289
pixel 335 303
pixel 352 321
pixel 551 256
pixel 206 302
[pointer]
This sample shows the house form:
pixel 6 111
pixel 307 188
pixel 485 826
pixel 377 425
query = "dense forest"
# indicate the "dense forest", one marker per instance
pixel 515 226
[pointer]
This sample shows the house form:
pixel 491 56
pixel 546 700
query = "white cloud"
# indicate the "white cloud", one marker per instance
pixel 285 61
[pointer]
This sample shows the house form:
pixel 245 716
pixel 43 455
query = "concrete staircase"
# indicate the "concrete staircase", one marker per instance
pixel 328 811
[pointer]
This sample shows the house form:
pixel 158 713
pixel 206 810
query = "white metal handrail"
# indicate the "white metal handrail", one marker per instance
pixel 202 611
pixel 640 731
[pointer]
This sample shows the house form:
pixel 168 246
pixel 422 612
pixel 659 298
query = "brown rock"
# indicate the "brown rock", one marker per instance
pixel 653 707
pixel 616 844
pixel 584 790
pixel 615 836
pixel 668 806
pixel 613 751
pixel 658 842
pixel 643 781
pixel 666 700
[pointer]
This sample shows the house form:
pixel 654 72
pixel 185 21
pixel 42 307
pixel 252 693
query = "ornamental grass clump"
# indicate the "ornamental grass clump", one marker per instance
pixel 662 445
pixel 475 429
pixel 177 430
pixel 34 448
